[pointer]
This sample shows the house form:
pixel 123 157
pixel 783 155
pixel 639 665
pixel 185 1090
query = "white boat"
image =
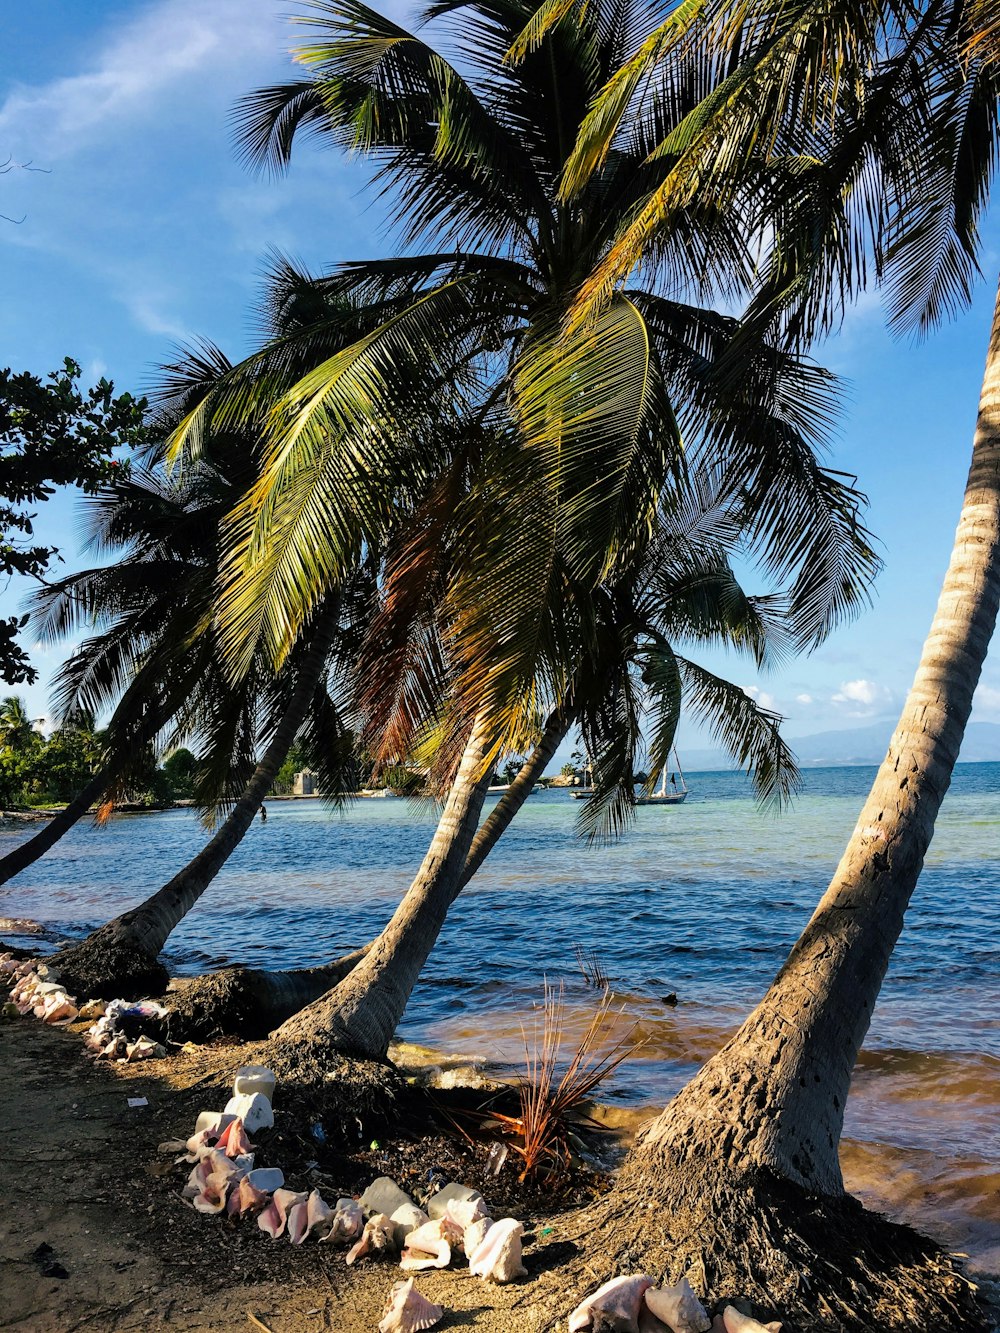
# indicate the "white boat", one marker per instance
pixel 675 796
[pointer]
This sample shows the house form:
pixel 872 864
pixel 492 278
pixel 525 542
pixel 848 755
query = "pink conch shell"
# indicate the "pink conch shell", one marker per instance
pixel 678 1307
pixel 233 1140
pixel 212 1198
pixel 375 1239
pixel 196 1180
pixel 59 1009
pixel 318 1212
pixel 409 1312
pixel 498 1257
pixel 348 1221
pixel 275 1215
pixel 427 1246
pixel 616 1305
pixel 250 1196
pixel 298 1223
pixel 734 1321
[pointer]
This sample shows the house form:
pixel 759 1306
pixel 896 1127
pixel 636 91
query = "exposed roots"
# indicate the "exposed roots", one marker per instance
pixel 812 1261
pixel 109 965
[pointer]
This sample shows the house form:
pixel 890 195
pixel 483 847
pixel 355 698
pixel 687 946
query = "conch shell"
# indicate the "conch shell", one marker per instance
pixel 409 1312
pixel 428 1246
pixel 274 1218
pixel 617 1305
pixel 734 1321
pixel 348 1221
pixel 498 1257
pixel 376 1238
pixel 678 1307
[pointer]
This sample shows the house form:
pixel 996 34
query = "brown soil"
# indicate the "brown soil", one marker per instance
pixel 94 1234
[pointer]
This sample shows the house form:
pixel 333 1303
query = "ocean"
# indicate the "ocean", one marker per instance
pixel 700 901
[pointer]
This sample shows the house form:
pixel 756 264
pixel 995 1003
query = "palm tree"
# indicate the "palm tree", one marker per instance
pixel 894 137
pixel 565 456
pixel 17 729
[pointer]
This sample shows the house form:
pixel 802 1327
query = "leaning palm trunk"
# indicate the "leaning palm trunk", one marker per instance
pixel 242 1002
pixel 121 958
pixel 360 1015
pixel 27 852
pixel 752 1141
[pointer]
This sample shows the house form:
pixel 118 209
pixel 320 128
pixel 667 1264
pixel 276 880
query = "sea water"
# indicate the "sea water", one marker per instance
pixel 700 901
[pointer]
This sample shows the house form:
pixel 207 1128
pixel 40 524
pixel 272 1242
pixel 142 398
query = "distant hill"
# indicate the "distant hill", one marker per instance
pixel 857 745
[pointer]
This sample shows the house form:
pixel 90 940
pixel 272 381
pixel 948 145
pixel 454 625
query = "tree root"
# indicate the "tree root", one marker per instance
pixel 813 1261
pixel 109 965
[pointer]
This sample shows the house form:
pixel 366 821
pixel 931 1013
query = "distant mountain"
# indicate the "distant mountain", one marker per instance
pixel 857 745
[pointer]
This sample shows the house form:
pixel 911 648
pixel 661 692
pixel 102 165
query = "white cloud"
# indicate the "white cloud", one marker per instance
pixel 165 45
pixel 987 699
pixel 762 697
pixel 862 698
pixel 803 698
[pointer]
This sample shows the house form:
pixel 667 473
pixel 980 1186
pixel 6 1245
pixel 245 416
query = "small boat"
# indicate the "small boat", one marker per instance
pixel 582 793
pixel 674 797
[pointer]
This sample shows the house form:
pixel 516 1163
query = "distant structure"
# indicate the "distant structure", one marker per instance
pixel 304 783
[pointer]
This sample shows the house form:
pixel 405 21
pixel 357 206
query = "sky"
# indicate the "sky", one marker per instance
pixel 133 228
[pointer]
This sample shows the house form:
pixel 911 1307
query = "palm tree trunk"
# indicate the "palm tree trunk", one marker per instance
pixel 756 1133
pixel 27 852
pixel 360 1015
pixel 239 1002
pixel 121 957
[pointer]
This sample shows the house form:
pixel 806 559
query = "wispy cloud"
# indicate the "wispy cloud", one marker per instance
pixel 862 698
pixel 142 63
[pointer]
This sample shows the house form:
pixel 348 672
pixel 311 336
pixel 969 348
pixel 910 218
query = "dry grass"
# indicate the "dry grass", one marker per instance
pixel 552 1110
pixel 590 967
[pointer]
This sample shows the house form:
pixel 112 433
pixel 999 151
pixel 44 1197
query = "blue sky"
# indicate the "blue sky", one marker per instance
pixel 144 231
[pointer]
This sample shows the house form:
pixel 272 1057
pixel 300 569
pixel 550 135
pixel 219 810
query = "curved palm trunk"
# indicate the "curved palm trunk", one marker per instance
pixel 121 957
pixel 27 852
pixel 276 996
pixel 360 1015
pixel 743 1163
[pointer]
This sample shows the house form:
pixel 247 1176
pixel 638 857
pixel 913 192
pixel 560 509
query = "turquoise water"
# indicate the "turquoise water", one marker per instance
pixel 702 900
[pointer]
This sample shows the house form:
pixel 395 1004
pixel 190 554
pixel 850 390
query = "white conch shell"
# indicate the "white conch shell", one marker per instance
pixel 266 1178
pixel 375 1239
pixel 678 1307
pixel 213 1121
pixel 253 1109
pixel 498 1257
pixel 734 1321
pixel 463 1212
pixel 254 1078
pixel 427 1246
pixel 616 1305
pixel 409 1312
pixel 318 1212
pixel 275 1216
pixel 383 1195
pixel 474 1234
pixel 437 1204
pixel 348 1221
pixel 406 1218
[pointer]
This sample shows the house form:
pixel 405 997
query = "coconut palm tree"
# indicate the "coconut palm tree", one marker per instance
pixel 891 114
pixel 567 451
pixel 17 729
